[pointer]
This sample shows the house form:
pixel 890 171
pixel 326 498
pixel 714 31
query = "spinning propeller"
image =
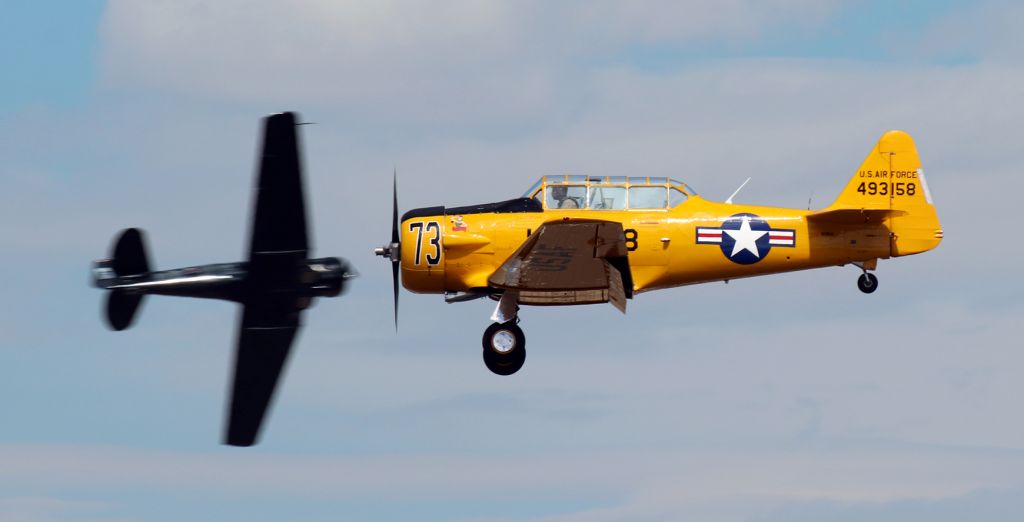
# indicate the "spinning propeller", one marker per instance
pixel 393 250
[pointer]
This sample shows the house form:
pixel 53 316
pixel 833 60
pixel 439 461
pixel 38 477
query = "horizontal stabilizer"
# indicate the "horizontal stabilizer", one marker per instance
pixel 853 216
pixel 121 308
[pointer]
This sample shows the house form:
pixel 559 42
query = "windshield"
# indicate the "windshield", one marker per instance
pixel 609 192
pixel 533 190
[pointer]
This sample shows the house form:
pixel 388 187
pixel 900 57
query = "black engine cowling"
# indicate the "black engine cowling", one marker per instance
pixel 326 276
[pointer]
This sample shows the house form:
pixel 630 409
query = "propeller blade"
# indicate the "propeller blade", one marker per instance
pixel 394 208
pixel 394 277
pixel 395 243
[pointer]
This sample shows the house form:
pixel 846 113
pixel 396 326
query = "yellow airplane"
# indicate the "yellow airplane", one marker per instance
pixel 572 240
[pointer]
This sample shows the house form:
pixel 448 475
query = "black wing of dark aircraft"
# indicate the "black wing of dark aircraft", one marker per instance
pixel 276 284
pixel 278 246
pixel 264 341
pixel 279 216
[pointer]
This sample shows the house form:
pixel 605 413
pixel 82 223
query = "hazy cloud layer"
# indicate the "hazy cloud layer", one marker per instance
pixel 767 399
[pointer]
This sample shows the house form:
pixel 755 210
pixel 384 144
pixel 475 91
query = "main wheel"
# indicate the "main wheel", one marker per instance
pixel 504 348
pixel 867 282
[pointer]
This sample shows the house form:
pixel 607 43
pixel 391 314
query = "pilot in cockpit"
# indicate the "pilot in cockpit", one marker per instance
pixel 560 193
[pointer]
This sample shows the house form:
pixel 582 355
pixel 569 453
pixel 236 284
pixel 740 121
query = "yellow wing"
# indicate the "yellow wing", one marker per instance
pixel 568 263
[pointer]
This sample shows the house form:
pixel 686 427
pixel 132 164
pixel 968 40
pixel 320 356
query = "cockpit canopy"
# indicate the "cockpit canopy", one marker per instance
pixel 609 192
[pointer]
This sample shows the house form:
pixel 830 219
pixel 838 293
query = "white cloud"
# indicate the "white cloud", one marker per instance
pixel 985 504
pixel 429 62
pixel 656 484
pixel 907 394
pixel 47 509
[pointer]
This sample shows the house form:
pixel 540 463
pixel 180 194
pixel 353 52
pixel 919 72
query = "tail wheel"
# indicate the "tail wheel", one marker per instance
pixel 504 348
pixel 867 283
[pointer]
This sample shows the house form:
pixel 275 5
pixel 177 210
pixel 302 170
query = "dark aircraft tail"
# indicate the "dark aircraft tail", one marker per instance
pixel 128 259
pixel 121 308
pixel 130 254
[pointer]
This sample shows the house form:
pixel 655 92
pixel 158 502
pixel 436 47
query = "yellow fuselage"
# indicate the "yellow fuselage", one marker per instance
pixel 453 253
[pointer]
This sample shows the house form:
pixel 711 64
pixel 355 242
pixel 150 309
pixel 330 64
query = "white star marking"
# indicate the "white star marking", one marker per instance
pixel 746 239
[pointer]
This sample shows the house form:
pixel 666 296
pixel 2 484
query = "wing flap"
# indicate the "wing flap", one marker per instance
pixel 616 292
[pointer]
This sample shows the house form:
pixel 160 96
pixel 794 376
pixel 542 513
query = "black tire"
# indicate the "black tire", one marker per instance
pixel 867 283
pixel 509 358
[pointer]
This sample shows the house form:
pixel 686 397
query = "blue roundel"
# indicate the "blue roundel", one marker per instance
pixel 745 238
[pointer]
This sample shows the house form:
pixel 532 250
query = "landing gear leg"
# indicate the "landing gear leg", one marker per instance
pixel 867 282
pixel 508 307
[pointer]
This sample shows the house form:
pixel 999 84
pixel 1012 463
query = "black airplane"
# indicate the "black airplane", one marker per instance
pixel 274 286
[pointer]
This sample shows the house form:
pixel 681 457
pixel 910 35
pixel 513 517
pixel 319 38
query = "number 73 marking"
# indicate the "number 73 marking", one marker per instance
pixel 434 241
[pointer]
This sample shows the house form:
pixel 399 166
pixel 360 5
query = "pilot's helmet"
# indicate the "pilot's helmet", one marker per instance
pixel 559 192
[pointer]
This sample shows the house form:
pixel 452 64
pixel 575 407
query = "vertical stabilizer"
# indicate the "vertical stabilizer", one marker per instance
pixel 891 179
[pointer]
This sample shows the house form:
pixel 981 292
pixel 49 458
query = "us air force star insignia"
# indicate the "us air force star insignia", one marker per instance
pixel 745 238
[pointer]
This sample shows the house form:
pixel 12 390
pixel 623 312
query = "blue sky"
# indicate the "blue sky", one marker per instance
pixel 49 53
pixel 790 397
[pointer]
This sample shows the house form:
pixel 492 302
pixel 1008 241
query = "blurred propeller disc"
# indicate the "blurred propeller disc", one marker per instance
pixel 393 250
pixel 395 243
